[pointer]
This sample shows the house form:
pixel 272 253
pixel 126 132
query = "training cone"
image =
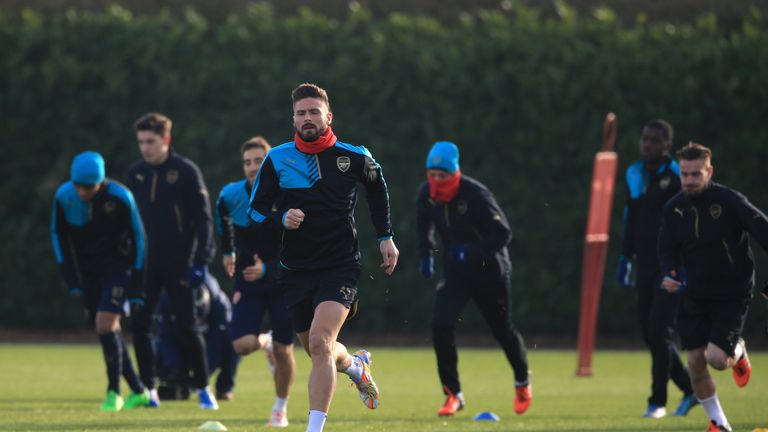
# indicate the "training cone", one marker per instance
pixel 212 425
pixel 486 416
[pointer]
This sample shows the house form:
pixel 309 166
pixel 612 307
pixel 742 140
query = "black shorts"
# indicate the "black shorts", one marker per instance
pixel 304 290
pixel 700 322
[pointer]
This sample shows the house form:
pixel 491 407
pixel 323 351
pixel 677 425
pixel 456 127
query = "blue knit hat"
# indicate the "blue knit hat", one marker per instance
pixel 444 156
pixel 87 168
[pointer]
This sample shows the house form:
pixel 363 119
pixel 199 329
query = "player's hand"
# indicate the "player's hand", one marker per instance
pixel 427 266
pixel 624 271
pixel 389 255
pixel 75 292
pixel 256 271
pixel 228 260
pixel 196 275
pixel 671 282
pixel 293 218
pixel 458 253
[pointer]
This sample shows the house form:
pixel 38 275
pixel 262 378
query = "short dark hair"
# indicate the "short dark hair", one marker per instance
pixel 258 142
pixel 308 90
pixel 154 122
pixel 663 126
pixel 694 151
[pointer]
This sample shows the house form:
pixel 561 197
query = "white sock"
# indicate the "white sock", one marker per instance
pixel 316 421
pixel 738 351
pixel 281 404
pixel 355 369
pixel 714 410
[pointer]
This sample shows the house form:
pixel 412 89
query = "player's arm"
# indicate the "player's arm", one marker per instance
pixel 753 220
pixel 378 197
pixel 425 232
pixel 668 250
pixel 489 215
pixel 265 191
pixel 425 226
pixel 62 248
pixel 200 207
pixel 226 229
pixel 628 242
pixel 139 237
pixel 378 204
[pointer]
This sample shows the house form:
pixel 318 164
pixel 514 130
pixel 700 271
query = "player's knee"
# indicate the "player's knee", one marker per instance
pixel 244 345
pixel 320 346
pixel 697 361
pixel 717 360
pixel 282 352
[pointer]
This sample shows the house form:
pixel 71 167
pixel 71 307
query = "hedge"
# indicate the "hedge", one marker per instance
pixel 523 96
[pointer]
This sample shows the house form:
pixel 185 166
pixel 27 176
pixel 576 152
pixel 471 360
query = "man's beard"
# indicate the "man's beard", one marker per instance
pixel 691 193
pixel 311 138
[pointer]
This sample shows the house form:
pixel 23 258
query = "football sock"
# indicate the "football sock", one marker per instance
pixel 738 351
pixel 316 421
pixel 111 348
pixel 355 369
pixel 129 373
pixel 281 404
pixel 714 410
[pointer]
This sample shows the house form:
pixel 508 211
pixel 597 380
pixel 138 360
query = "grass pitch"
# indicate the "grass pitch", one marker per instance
pixel 60 387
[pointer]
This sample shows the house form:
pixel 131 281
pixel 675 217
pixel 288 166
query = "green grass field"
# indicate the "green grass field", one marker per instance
pixel 59 387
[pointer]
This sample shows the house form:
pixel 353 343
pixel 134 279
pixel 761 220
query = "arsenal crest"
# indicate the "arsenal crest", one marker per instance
pixel 109 207
pixel 172 176
pixel 343 163
pixel 715 211
pixel 461 207
pixel 664 183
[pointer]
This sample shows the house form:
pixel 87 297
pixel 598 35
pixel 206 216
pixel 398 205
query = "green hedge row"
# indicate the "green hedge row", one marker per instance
pixel 524 97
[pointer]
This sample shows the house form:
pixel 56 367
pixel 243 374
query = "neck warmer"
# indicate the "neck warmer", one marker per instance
pixel 322 142
pixel 444 190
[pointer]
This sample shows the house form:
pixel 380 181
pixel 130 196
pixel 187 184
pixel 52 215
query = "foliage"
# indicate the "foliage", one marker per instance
pixel 523 96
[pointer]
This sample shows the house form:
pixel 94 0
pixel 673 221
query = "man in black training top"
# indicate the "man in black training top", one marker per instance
pixel 100 247
pixel 475 234
pixel 651 182
pixel 173 201
pixel 704 232
pixel 316 176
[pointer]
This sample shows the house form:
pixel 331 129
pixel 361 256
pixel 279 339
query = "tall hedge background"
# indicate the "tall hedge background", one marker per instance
pixel 523 95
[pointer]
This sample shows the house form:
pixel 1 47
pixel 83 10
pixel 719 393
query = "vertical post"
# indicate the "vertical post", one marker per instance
pixel 596 243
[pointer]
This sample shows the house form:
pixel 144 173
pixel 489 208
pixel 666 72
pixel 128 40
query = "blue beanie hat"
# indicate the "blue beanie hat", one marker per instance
pixel 444 156
pixel 87 168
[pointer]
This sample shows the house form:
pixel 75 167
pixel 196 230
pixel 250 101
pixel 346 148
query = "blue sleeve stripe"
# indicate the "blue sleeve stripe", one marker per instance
pixel 355 149
pixel 384 238
pixel 55 236
pixel 675 167
pixel 635 180
pixel 256 216
pixel 138 232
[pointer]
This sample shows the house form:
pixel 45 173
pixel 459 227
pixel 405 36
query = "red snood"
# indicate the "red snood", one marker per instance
pixel 444 190
pixel 327 139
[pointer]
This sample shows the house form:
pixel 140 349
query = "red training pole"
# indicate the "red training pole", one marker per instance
pixel 596 243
